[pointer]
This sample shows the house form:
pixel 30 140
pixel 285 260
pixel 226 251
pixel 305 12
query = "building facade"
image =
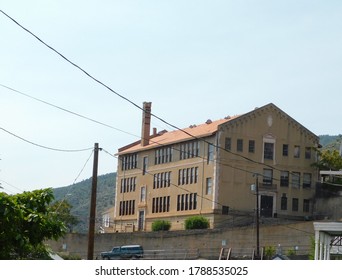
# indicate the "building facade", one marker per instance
pixel 214 169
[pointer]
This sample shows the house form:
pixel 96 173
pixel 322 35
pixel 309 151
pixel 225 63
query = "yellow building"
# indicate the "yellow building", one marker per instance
pixel 214 169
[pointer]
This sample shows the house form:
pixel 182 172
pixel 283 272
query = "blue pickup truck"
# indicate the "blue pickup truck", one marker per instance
pixel 124 252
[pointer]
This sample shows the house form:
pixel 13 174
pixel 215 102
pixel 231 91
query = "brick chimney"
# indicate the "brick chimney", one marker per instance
pixel 146 124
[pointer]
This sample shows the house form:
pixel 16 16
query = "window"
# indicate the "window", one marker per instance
pixel 209 186
pixel 105 220
pixel 228 143
pixel 295 204
pixel 306 205
pixel 295 179
pixel 187 176
pixel 128 184
pixel 160 204
pixel 143 194
pixel 129 162
pixel 127 207
pixel 307 153
pixel 251 146
pixel 268 150
pixel 239 145
pixel 296 151
pixel 307 180
pixel 163 155
pixel 284 179
pixel 210 153
pixel 283 204
pixel 268 176
pixel 186 201
pixel 189 150
pixel 145 162
pixel 285 150
pixel 162 180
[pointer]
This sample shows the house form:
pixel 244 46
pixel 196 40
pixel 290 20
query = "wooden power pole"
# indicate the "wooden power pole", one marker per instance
pixel 91 232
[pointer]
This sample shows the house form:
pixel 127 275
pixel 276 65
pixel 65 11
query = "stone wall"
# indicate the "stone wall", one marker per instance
pixel 206 243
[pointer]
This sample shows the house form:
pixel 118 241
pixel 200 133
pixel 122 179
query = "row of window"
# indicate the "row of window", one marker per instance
pixel 188 201
pixel 127 207
pixel 161 204
pixel 191 149
pixel 128 184
pixel 268 148
pixel 162 180
pixel 295 204
pixel 162 155
pixel 285 179
pixel 188 176
pixel 129 162
pixel 185 202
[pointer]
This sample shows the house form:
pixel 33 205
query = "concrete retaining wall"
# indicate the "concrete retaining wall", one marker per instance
pixel 207 243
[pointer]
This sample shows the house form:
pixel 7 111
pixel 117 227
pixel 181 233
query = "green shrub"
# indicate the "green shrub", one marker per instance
pixel 196 222
pixel 160 225
pixel 269 252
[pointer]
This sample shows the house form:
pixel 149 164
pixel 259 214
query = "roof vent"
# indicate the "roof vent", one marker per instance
pixel 208 121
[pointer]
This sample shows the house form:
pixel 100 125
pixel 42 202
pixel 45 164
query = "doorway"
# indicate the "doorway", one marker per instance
pixel 141 220
pixel 266 206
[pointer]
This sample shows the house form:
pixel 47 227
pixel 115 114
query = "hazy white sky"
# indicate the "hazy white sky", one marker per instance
pixel 194 60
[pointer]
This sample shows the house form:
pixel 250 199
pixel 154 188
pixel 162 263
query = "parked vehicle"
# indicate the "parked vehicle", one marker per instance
pixel 124 252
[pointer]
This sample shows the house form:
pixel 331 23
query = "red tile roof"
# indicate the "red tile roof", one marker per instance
pixel 176 136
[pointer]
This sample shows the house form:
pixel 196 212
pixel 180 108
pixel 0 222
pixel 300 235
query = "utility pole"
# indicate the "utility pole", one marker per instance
pixel 256 175
pixel 91 232
pixel 257 217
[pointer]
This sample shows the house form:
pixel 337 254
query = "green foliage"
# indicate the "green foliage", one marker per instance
pixel 196 222
pixel 70 256
pixel 26 221
pixel 269 252
pixel 78 196
pixel 312 248
pixel 329 160
pixel 161 225
pixel 291 252
pixel 62 209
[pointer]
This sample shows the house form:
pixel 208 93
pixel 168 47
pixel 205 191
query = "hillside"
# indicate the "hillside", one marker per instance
pixel 331 142
pixel 78 195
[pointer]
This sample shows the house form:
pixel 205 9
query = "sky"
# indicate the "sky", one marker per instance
pixel 193 59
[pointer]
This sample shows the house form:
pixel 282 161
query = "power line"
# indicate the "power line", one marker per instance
pixel 116 93
pixel 133 103
pixel 44 147
pixel 83 167
pixel 87 118
pixel 66 110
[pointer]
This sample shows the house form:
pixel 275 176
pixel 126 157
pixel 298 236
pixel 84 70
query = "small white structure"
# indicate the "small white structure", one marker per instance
pixel 327 235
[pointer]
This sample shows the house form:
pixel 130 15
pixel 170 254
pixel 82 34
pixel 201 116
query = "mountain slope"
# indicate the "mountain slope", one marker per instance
pixel 78 195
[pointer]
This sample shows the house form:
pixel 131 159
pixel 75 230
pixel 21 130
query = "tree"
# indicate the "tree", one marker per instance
pixel 63 210
pixel 26 221
pixel 329 160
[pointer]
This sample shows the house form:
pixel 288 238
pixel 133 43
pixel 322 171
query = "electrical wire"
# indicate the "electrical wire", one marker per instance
pixel 133 103
pixel 44 147
pixel 85 164
pixel 136 105
pixel 116 93
pixel 66 110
